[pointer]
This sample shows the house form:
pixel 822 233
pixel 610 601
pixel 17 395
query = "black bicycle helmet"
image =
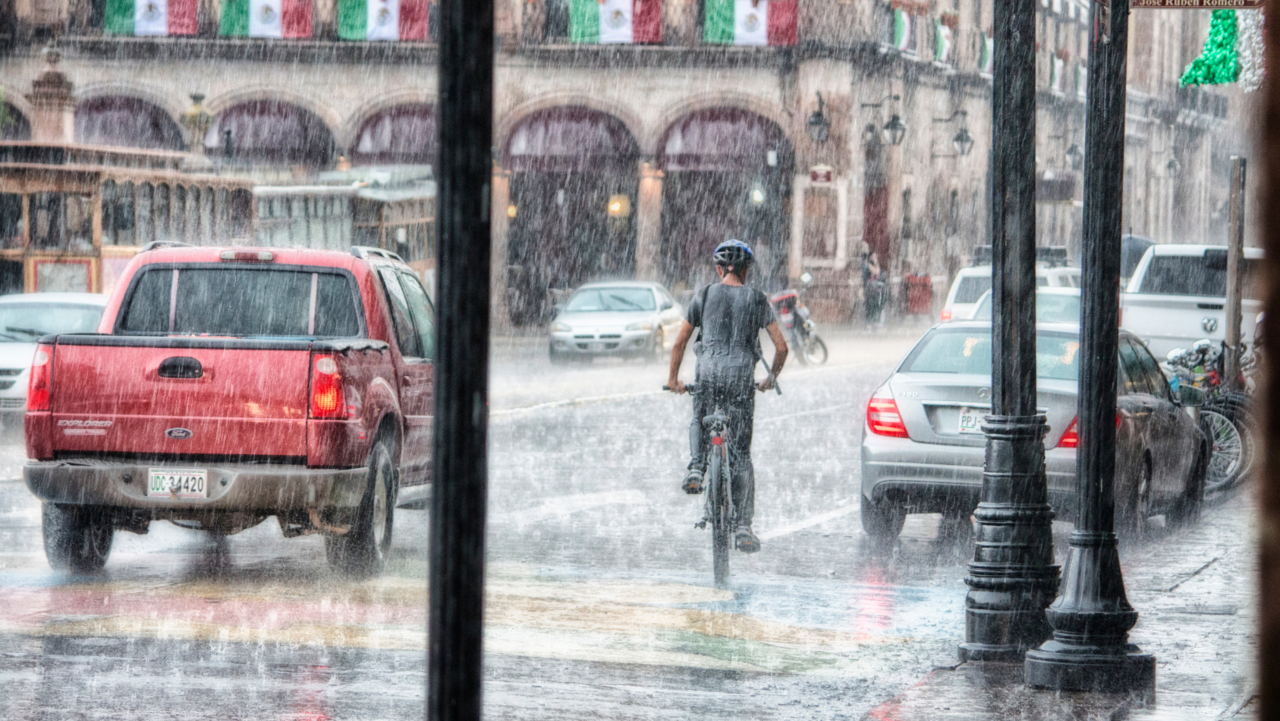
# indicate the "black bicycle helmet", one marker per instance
pixel 733 252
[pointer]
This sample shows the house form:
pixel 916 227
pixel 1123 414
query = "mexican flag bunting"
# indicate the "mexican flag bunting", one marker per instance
pixel 901 30
pixel 751 22
pixel 150 17
pixel 615 21
pixel 987 61
pixel 941 42
pixel 1233 52
pixel 265 18
pixel 382 19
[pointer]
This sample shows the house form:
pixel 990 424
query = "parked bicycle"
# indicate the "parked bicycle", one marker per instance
pixel 1226 417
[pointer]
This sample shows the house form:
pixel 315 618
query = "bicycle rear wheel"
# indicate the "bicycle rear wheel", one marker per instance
pixel 718 487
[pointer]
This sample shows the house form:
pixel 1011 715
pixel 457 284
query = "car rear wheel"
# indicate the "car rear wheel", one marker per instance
pixel 363 550
pixel 1187 510
pixel 1133 519
pixel 882 521
pixel 76 538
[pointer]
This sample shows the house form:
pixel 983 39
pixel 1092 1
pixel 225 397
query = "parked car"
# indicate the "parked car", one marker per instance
pixel 24 319
pixel 1177 295
pixel 923 447
pixel 1053 305
pixel 973 282
pixel 633 319
pixel 227 385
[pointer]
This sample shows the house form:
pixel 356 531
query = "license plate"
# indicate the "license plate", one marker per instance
pixel 178 482
pixel 969 421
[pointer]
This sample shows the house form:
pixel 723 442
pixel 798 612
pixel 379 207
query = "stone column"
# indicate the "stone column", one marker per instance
pixel 649 221
pixel 795 258
pixel 500 224
pixel 52 106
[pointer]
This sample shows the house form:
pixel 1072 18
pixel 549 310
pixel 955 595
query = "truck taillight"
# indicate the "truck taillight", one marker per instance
pixel 883 418
pixel 41 387
pixel 327 400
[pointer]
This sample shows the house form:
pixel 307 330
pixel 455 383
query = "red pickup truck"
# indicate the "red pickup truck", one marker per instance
pixel 227 385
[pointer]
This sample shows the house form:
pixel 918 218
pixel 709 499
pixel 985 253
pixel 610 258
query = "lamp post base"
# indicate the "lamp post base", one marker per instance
pixel 1063 667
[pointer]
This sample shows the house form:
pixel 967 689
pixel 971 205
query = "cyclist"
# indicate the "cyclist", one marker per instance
pixel 729 316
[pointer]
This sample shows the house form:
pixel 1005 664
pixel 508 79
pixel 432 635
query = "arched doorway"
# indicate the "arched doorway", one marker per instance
pixel 573 193
pixel 875 196
pixel 13 124
pixel 403 134
pixel 270 132
pixel 728 175
pixel 126 122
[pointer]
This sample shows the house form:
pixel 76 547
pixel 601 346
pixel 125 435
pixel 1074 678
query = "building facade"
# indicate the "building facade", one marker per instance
pixel 864 128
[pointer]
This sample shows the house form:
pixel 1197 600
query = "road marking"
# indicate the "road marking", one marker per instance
pixel 564 505
pixel 809 522
pixel 814 412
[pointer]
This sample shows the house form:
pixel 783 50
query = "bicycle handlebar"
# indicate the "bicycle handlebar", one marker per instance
pixel 694 389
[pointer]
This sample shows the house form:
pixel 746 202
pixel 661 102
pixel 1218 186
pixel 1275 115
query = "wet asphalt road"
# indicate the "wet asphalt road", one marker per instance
pixel 600 603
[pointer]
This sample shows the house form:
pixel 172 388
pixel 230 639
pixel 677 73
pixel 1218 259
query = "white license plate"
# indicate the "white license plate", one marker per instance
pixel 970 421
pixel 178 482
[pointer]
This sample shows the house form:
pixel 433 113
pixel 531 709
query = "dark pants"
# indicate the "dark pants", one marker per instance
pixel 733 392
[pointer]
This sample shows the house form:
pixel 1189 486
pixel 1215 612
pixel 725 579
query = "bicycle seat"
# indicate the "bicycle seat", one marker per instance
pixel 714 419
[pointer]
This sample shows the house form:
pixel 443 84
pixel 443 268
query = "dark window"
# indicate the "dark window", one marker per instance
pixel 972 287
pixel 424 315
pixel 239 302
pixel 1142 373
pixel 11 230
pixel 401 318
pixel 1195 275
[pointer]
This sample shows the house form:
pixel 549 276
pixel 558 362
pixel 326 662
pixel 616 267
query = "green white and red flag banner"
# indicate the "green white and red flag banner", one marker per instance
pixel 265 18
pixel 382 19
pixel 751 22
pixel 942 42
pixel 150 17
pixel 987 61
pixel 902 30
pixel 615 21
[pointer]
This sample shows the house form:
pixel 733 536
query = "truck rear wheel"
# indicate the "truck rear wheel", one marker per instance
pixel 76 538
pixel 363 550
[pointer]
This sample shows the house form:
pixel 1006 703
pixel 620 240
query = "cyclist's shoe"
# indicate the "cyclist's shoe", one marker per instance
pixel 746 541
pixel 693 482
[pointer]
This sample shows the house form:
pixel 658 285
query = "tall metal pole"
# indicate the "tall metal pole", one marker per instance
pixel 1235 263
pixel 1092 617
pixel 1012 577
pixel 462 375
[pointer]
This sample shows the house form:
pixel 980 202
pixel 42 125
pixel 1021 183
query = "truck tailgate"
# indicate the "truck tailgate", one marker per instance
pixel 128 395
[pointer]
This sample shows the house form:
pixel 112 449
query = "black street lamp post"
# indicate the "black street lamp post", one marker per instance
pixel 462 371
pixel 1012 577
pixel 1091 619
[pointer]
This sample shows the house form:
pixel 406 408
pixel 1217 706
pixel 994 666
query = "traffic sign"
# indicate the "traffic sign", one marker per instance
pixel 1197 4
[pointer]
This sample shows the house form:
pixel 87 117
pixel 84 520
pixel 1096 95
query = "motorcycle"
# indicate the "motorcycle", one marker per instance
pixel 801 332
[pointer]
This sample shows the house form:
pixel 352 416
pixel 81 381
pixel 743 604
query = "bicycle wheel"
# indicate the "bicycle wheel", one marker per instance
pixel 718 487
pixel 1228 453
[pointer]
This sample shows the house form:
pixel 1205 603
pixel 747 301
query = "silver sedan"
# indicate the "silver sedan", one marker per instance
pixel 923 447
pixel 635 319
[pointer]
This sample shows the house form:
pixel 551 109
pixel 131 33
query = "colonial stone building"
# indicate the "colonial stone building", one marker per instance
pixel 870 133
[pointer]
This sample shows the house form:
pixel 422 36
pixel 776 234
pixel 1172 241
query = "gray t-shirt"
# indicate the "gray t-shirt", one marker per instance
pixel 730 318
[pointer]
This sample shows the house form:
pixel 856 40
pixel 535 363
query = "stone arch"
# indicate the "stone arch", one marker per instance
pixel 509 121
pixel 331 117
pixel 171 103
pixel 571 137
pixel 653 136
pixel 397 134
pixel 14 97
pixel 16 124
pixel 126 121
pixel 346 132
pixel 270 132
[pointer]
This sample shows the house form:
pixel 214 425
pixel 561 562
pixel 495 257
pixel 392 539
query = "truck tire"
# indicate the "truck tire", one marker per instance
pixel 362 551
pixel 76 538
pixel 882 521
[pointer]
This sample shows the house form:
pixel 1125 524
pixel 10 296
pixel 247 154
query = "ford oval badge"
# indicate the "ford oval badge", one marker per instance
pixel 179 434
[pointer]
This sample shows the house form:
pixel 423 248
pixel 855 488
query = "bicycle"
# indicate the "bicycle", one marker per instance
pixel 718 508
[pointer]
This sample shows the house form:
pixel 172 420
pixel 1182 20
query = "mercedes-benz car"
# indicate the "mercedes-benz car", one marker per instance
pixel 635 319
pixel 923 447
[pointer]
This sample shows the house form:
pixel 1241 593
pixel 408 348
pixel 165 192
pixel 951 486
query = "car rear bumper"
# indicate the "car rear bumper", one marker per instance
pixel 231 487
pixel 931 478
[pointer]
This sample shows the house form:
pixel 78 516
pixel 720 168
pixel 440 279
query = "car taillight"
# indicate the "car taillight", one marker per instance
pixel 946 314
pixel 41 387
pixel 1071 439
pixel 327 400
pixel 883 418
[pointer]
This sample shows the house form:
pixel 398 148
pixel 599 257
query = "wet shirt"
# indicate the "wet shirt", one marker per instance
pixel 730 318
